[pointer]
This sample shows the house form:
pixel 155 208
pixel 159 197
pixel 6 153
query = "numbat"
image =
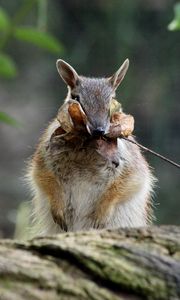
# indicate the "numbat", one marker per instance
pixel 83 175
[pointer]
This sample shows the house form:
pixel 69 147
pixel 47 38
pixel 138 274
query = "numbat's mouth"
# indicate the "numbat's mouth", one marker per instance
pixel 73 121
pixel 73 131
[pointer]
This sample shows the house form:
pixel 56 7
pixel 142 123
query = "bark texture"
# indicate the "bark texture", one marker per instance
pixel 118 264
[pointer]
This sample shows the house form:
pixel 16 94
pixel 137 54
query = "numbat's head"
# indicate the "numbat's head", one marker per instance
pixel 94 94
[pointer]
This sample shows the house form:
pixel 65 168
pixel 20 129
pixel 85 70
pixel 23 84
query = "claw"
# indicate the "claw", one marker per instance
pixel 60 220
pixel 95 220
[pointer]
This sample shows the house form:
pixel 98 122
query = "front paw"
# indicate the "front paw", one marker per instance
pixel 95 220
pixel 59 218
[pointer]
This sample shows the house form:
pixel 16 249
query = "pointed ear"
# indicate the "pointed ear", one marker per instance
pixel 67 73
pixel 116 79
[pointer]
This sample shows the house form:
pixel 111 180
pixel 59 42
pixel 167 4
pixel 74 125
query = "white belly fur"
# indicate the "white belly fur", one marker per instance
pixel 84 184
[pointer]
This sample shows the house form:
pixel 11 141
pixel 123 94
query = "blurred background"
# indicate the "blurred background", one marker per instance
pixel 95 37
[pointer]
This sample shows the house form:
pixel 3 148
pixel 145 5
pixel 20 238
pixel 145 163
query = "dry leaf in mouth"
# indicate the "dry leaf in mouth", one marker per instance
pixel 58 131
pixel 115 106
pixel 71 117
pixel 78 116
pixel 64 118
pixel 121 125
pixel 73 120
pixel 73 129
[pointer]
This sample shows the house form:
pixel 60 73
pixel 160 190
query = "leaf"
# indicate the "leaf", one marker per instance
pixel 7 66
pixel 115 106
pixel 4 20
pixel 5 118
pixel 175 23
pixel 38 38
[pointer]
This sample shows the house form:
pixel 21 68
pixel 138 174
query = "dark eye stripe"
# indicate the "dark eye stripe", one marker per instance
pixel 75 97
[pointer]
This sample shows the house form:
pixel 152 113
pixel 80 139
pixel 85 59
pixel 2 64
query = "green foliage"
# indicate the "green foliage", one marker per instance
pixel 10 28
pixel 7 66
pixel 175 23
pixel 5 118
pixel 4 20
pixel 38 38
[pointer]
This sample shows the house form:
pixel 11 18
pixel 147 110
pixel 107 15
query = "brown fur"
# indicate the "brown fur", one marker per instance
pixel 89 184
pixel 48 183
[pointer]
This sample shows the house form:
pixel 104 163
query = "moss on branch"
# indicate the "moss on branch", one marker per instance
pixel 119 264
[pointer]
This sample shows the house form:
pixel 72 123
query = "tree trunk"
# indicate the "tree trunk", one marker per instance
pixel 119 264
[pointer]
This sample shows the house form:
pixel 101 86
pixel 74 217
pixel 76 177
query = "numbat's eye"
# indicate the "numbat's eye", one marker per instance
pixel 75 97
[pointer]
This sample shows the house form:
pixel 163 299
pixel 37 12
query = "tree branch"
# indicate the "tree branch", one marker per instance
pixel 119 264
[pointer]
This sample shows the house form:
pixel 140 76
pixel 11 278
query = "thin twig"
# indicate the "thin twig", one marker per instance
pixel 153 152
